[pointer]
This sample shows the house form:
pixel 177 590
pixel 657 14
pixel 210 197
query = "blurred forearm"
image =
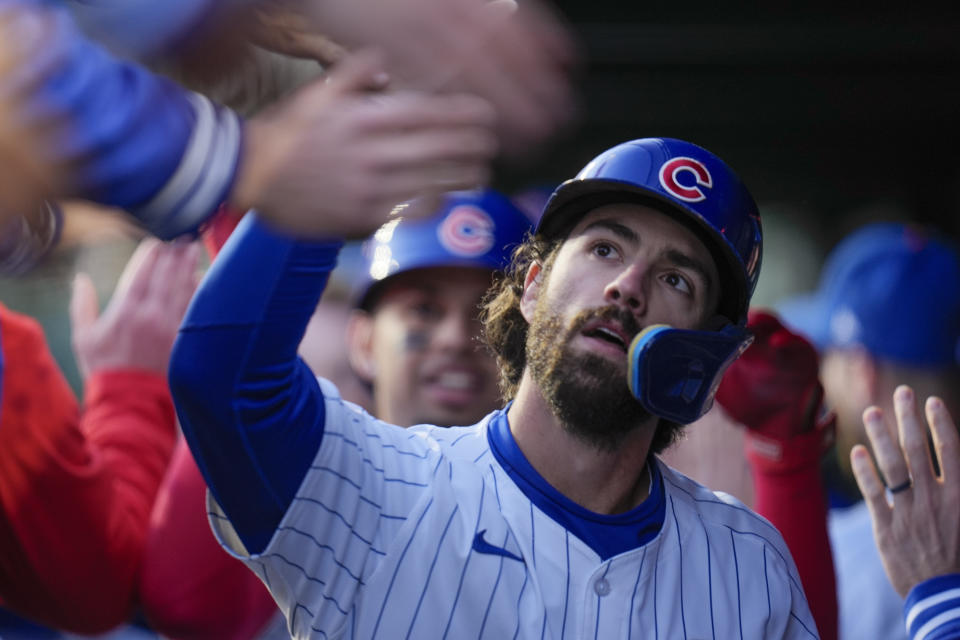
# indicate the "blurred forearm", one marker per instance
pixel 77 122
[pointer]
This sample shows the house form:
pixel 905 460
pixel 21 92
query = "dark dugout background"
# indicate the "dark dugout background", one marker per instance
pixel 830 114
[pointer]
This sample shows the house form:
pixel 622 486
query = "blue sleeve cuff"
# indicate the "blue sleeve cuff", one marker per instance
pixel 932 609
pixel 203 176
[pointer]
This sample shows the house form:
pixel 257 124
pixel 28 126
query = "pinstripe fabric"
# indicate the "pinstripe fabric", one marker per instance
pixel 380 543
pixel 932 608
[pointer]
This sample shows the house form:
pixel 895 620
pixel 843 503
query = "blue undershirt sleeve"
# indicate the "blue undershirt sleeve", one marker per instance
pixel 250 408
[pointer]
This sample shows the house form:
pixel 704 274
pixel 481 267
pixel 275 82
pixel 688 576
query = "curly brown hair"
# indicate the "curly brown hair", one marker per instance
pixel 504 327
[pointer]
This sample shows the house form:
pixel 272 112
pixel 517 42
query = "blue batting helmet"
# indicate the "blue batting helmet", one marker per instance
pixel 471 229
pixel 682 180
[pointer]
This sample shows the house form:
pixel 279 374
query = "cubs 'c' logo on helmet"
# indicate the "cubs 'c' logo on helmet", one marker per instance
pixel 674 167
pixel 467 231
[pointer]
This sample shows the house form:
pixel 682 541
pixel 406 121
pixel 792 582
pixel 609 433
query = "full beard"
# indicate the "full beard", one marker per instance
pixel 587 393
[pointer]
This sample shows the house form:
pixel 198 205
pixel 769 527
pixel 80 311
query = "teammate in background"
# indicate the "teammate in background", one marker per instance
pixel 916 529
pixel 171 157
pixel 887 312
pixel 552 514
pixel 76 487
pixel 414 339
pixel 415 336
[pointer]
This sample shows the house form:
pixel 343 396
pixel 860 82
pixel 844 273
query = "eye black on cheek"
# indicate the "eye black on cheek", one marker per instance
pixel 415 340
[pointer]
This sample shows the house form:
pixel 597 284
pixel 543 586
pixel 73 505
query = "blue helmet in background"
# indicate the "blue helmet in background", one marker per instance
pixel 674 373
pixel 470 229
pixel 689 184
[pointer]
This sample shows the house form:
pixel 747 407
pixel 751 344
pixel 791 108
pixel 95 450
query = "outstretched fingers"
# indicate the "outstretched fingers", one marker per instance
pixel 946 441
pixel 134 281
pixel 868 479
pixel 916 529
pixel 174 279
pixel 887 451
pixel 84 303
pixel 913 440
pixel 411 111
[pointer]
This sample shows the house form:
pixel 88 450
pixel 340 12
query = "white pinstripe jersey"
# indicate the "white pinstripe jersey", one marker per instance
pixel 381 542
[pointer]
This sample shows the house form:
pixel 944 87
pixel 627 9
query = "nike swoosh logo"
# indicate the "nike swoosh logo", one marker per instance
pixel 482 546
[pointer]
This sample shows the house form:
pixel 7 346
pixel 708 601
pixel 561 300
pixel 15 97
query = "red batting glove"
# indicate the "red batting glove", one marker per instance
pixel 773 389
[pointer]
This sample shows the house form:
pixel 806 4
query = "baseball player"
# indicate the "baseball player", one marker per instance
pixel 415 338
pixel 550 518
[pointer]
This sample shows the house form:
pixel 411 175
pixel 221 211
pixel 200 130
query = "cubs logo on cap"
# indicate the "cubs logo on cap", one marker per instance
pixel 467 231
pixel 470 229
pixel 670 174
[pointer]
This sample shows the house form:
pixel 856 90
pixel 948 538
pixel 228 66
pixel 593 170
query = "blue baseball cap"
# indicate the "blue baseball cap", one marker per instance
pixel 891 288
pixel 479 228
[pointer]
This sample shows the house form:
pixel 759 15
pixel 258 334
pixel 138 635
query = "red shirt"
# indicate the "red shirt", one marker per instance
pixel 76 488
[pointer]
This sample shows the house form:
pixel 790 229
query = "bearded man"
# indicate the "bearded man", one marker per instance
pixel 552 517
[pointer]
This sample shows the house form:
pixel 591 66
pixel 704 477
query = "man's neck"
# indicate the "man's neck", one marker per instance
pixel 600 480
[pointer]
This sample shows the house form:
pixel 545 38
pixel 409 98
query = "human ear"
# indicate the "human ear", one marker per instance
pixel 360 345
pixel 531 291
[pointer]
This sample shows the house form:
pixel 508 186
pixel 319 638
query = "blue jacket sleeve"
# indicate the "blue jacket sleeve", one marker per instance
pixel 115 132
pixel 250 408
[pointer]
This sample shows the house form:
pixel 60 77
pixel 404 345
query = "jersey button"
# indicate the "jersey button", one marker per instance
pixel 602 587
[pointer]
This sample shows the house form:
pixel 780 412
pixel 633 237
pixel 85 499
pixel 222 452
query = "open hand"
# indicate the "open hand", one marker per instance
pixel 138 326
pixel 516 56
pixel 918 528
pixel 335 158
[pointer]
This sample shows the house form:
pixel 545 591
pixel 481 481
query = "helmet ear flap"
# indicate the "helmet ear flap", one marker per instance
pixel 675 373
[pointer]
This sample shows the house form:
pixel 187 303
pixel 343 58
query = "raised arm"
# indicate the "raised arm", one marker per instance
pixel 166 155
pixel 76 121
pixel 76 489
pixel 250 409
